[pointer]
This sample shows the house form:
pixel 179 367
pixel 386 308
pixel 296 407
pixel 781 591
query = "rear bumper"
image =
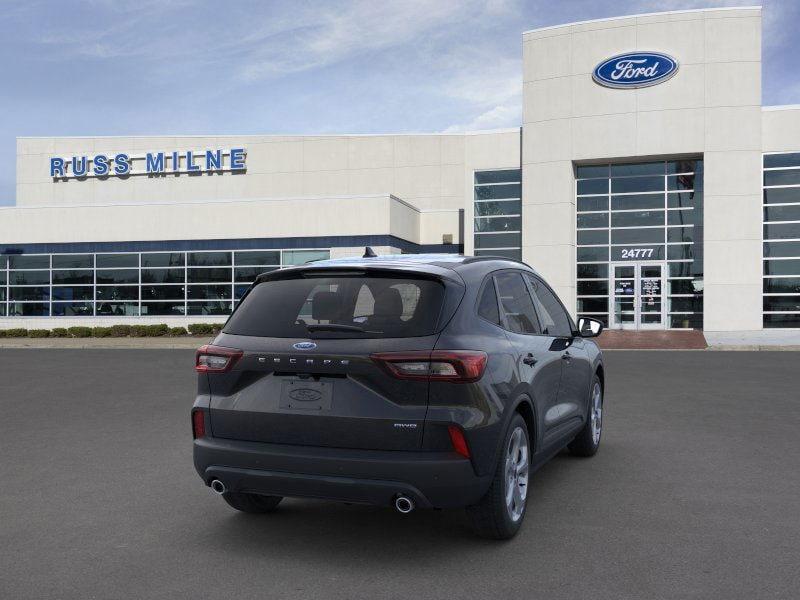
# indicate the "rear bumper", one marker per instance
pixel 432 479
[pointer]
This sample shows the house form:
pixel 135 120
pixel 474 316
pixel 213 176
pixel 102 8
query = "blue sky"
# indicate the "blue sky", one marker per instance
pixel 151 67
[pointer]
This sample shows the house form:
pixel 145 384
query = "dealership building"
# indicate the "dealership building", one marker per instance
pixel 646 183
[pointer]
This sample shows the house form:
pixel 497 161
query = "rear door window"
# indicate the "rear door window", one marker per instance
pixel 516 307
pixel 355 306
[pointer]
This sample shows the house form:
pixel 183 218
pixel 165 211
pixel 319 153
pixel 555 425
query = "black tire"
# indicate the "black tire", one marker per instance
pixel 491 517
pixel 587 442
pixel 252 503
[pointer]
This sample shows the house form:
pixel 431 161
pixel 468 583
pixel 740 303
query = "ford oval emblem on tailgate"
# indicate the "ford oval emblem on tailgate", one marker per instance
pixel 304 346
pixel 305 395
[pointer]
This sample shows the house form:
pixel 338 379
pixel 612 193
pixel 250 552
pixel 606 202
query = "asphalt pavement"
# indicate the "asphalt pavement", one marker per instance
pixel 695 493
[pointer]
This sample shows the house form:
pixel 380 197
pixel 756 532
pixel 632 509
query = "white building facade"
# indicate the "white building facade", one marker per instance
pixel 654 192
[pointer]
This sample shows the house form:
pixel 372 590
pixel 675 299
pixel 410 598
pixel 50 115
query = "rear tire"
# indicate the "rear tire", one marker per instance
pixel 587 441
pixel 252 503
pixel 500 513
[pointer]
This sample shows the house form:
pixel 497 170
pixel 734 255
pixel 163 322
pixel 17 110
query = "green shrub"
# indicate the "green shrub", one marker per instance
pixel 80 332
pixel 201 328
pixel 120 330
pixel 177 331
pixel 16 332
pixel 38 333
pixel 60 332
pixel 2 333
pixel 157 330
pixel 217 327
pixel 138 330
pixel 101 332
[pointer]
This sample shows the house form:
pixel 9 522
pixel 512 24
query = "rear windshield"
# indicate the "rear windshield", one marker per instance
pixel 357 306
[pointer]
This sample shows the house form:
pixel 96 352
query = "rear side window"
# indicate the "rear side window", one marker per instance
pixel 515 304
pixel 355 306
pixel 555 321
pixel 487 304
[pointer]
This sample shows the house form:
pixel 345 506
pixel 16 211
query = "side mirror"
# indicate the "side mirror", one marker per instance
pixel 589 328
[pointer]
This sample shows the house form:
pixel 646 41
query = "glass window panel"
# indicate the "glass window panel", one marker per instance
pixel 73 261
pixel 209 259
pixel 782 213
pixel 648 168
pixel 117 276
pixel 516 304
pixel 73 309
pixel 592 186
pixel 163 259
pixel 28 309
pixel 3 262
pixel 637 202
pixel 499 207
pixel 239 290
pixel 162 308
pixel 163 276
pixel 591 171
pixel 29 293
pixel 681 269
pixel 694 304
pixel 73 277
pixel 685 286
pixel 497 240
pixel 782 267
pixel 788 320
pixel 500 176
pixel 117 309
pixel 592 288
pixel 683 182
pixel 686 321
pixel 114 261
pixel 209 275
pixel 638 251
pixel 498 224
pixel 596 203
pixel 637 219
pixel 788 177
pixel 249 274
pixel 782 195
pixel 209 308
pixel 2 294
pixel 781 249
pixel 590 254
pixel 593 220
pixel 682 217
pixel 593 304
pixel 790 159
pixel 512 253
pixel 29 261
pixel 2 277
pixel 637 184
pixel 3 308
pixel 592 236
pixel 684 166
pixel 679 252
pixel 782 303
pixel 300 257
pixel 118 292
pixel 29 277
pixel 258 257
pixel 592 271
pixel 209 292
pixel 782 231
pixel 73 292
pixel 782 285
pixel 680 234
pixel 637 236
pixel 162 292
pixel 684 199
pixel 493 192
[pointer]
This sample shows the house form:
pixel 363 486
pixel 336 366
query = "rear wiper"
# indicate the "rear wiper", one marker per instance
pixel 336 327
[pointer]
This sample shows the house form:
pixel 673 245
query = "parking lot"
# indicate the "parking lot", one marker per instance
pixel 695 493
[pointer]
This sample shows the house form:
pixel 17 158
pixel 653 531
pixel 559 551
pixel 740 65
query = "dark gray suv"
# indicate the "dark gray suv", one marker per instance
pixel 430 381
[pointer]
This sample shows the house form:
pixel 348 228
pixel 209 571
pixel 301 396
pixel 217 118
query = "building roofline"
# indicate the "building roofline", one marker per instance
pixel 651 14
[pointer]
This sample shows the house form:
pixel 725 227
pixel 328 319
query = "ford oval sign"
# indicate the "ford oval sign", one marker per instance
pixel 635 70
pixel 304 346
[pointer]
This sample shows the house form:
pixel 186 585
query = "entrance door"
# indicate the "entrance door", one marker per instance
pixel 637 300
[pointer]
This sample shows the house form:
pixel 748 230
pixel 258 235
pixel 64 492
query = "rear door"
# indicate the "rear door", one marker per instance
pixel 306 376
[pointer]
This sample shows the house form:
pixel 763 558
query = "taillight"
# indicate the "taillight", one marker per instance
pixel 457 366
pixel 458 440
pixel 216 359
pixel 198 424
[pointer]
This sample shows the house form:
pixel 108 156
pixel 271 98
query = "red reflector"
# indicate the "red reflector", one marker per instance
pixel 198 424
pixel 216 359
pixel 458 441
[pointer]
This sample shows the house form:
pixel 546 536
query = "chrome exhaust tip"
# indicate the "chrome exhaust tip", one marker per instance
pixel 218 487
pixel 403 504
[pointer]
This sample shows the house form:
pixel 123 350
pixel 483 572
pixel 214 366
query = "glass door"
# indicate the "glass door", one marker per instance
pixel 637 295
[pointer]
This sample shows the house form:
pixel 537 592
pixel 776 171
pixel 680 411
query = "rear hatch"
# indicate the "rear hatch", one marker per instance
pixel 304 374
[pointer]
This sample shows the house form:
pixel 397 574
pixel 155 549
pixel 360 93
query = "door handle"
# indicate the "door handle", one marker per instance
pixel 529 360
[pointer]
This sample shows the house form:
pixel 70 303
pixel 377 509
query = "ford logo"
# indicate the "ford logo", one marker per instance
pixel 305 395
pixel 304 346
pixel 635 70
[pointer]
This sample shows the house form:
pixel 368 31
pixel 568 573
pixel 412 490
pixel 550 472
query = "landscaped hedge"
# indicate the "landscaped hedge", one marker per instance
pixel 160 330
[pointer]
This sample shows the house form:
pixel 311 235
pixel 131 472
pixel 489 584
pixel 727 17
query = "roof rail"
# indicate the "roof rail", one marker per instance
pixel 483 257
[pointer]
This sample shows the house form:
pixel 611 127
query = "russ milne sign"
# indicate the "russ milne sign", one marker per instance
pixel 151 163
pixel 635 70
